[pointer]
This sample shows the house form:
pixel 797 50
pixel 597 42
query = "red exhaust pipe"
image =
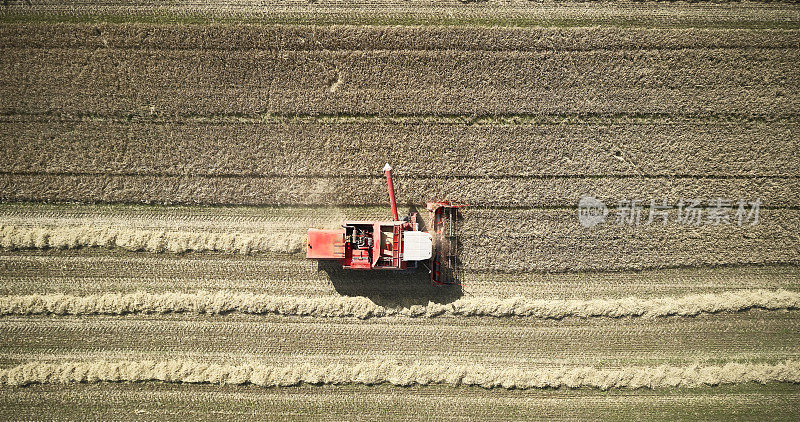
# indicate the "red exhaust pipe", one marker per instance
pixel 387 169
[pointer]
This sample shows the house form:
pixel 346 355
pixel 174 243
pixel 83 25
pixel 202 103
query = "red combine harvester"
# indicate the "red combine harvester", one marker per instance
pixel 393 245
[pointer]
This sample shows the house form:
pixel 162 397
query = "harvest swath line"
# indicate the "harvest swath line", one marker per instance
pixel 361 307
pixel 380 372
pixel 539 239
pixel 20 237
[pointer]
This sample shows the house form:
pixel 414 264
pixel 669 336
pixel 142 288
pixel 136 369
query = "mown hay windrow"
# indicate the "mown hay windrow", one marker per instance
pixel 361 307
pixel 66 237
pixel 381 371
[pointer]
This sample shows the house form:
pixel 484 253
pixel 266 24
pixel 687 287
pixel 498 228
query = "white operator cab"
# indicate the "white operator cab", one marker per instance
pixel 417 246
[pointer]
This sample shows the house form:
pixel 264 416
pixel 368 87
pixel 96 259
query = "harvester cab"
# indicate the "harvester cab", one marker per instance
pixel 396 244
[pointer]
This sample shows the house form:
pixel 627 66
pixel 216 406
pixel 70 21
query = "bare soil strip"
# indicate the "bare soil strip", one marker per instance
pixel 160 401
pixel 379 372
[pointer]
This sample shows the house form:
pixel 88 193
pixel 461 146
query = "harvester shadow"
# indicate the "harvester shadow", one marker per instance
pixel 390 288
pixel 422 221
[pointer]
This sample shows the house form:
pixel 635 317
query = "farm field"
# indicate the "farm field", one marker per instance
pixel 161 164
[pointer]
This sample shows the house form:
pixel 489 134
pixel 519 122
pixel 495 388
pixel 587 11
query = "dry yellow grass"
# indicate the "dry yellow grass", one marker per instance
pixel 21 237
pixel 361 307
pixel 378 372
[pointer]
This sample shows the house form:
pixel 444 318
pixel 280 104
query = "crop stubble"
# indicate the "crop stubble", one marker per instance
pixel 723 79
pixel 761 15
pixel 150 401
pixel 651 126
pixel 211 82
pixel 754 336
